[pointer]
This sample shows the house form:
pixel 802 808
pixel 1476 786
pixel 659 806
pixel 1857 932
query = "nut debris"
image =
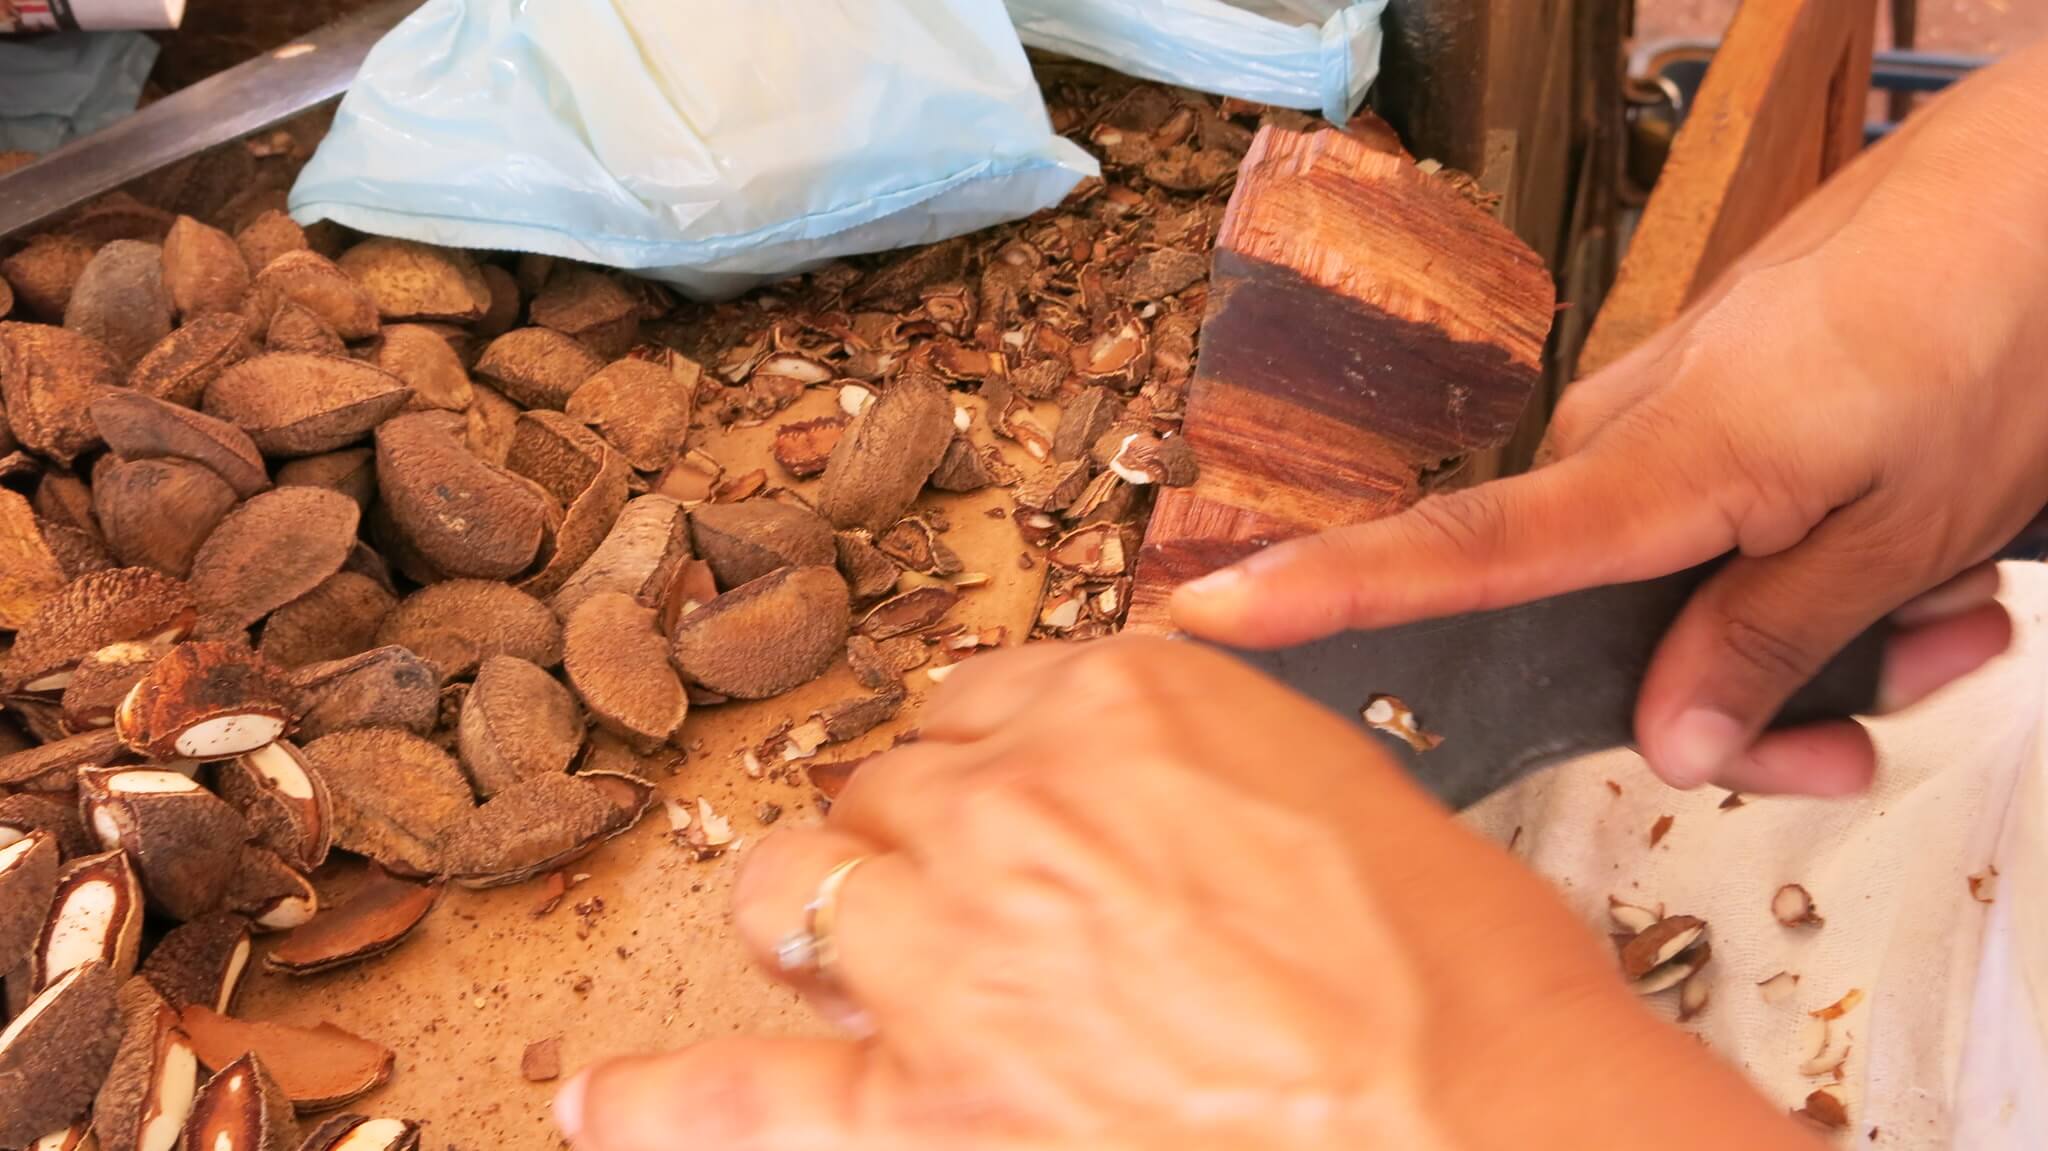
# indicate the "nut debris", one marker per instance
pixel 1659 829
pixel 464 515
pixel 241 1109
pixel 1387 713
pixel 383 687
pixel 1824 1107
pixel 139 427
pixel 149 1089
pixel 541 1062
pixel 282 799
pixel 517 721
pixel 95 917
pixel 303 403
pixel 746 541
pixel 1840 1007
pixel 1984 884
pixel 395 796
pixel 765 636
pixel 618 663
pixel 869 572
pixel 92 611
pixel 459 623
pixel 276 547
pixel 357 1133
pixel 1659 943
pixel 802 448
pixel 1098 550
pixel 911 611
pixel 205 701
pixel 1779 988
pixel 28 884
pixel 318 1067
pixel 184 841
pixel 1693 995
pixel 1630 917
pixel 55 1054
pixel 201 962
pixel 1793 907
pixel 376 918
pixel 1829 1046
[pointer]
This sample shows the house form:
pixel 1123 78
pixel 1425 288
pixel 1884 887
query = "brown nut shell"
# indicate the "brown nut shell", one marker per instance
pixel 581 471
pixel 766 636
pixel 242 1108
pixel 180 367
pixel 384 687
pixel 337 619
pixel 303 403
pixel 465 516
pixel 313 282
pixel 395 796
pixel 516 721
pixel 540 824
pixel 273 549
pixel 350 471
pixel 55 1054
pixel 120 299
pixel 103 679
pixel 92 611
pixel 203 269
pixel 377 917
pixel 283 799
pixel 616 660
pixel 457 623
pixel 746 541
pixel 642 408
pixel 883 460
pixel 95 917
pixel 28 883
pixel 30 572
pixel 139 427
pixel 184 841
pixel 638 556
pixel 362 1133
pixel 155 513
pixel 589 305
pixel 48 378
pixel 408 280
pixel 44 272
pixel 201 961
pixel 538 367
pixel 149 1088
pixel 318 1068
pixel 423 358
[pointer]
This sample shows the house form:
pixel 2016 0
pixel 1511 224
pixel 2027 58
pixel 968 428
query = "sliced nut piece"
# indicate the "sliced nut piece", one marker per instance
pixel 1144 458
pixel 852 718
pixel 617 662
pixel 1084 419
pixel 383 687
pixel 273 549
pixel 1387 713
pixel 318 1067
pixel 358 1133
pixel 375 919
pixel 1693 996
pixel 395 796
pixel 460 622
pixel 641 408
pixel 155 513
pixel 765 636
pixel 1660 943
pixel 912 611
pixel 746 541
pixel 303 403
pixel 55 1054
pixel 466 516
pixel 48 377
pixel 103 679
pixel 184 841
pixel 407 280
pixel 590 306
pixel 337 619
pixel 203 270
pixel 966 468
pixel 870 668
pixel 1680 969
pixel 916 545
pixel 120 299
pixel 313 282
pixel 802 448
pixel 690 587
pixel 283 800
pixel 182 365
pixel 638 557
pixel 1840 1007
pixel 538 367
pixel 202 961
pixel 95 610
pixel 540 824
pixel 148 1092
pixel 1780 987
pixel 270 892
pixel 205 701
pixel 1793 907
pixel 578 468
pixel 1824 1107
pixel 689 479
pixel 422 357
pixel 517 721
pixel 887 454
pixel 1629 917
pixel 28 884
pixel 241 1108
pixel 139 427
pixel 1829 1046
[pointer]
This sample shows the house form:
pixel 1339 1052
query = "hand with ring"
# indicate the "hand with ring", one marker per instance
pixel 1131 895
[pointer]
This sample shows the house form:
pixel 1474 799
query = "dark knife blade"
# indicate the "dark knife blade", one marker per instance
pixel 1517 689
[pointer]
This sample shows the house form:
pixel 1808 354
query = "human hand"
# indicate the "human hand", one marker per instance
pixel 1855 408
pixel 1131 895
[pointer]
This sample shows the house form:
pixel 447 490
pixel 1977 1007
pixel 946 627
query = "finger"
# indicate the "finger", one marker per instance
pixel 991 690
pixel 1820 759
pixel 1920 661
pixel 1602 516
pixel 761 1094
pixel 1973 588
pixel 881 926
pixel 1755 632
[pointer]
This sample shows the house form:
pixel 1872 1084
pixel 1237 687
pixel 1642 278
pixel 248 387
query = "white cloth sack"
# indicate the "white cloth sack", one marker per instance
pixel 701 142
pixel 1950 1045
pixel 1315 54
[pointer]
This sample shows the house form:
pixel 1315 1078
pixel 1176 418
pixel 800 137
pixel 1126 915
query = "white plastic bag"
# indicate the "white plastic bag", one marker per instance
pixel 706 143
pixel 1316 54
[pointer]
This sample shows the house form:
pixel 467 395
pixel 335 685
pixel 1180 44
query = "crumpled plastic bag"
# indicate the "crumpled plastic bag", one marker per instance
pixel 56 88
pixel 1314 54
pixel 705 143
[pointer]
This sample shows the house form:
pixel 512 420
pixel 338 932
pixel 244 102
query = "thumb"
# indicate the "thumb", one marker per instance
pixel 763 1094
pixel 1609 514
pixel 1755 633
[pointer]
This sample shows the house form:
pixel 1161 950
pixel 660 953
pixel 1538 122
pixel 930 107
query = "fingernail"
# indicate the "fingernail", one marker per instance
pixel 569 1105
pixel 1697 744
pixel 1215 583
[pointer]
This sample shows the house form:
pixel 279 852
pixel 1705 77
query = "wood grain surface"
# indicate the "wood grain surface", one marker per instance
pixel 1367 324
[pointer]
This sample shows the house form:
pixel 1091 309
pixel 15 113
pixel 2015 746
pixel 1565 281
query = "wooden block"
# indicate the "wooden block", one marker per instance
pixel 1366 325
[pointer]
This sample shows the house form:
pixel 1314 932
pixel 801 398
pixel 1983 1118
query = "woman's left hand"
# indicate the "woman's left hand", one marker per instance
pixel 1130 894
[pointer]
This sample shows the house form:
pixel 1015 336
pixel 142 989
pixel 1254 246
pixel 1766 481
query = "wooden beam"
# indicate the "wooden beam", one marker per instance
pixel 1366 324
pixel 1780 111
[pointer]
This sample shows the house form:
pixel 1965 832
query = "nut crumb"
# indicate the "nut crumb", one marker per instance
pixel 1660 828
pixel 1793 907
pixel 1984 884
pixel 542 1060
pixel 1732 801
pixel 768 813
pixel 1387 713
